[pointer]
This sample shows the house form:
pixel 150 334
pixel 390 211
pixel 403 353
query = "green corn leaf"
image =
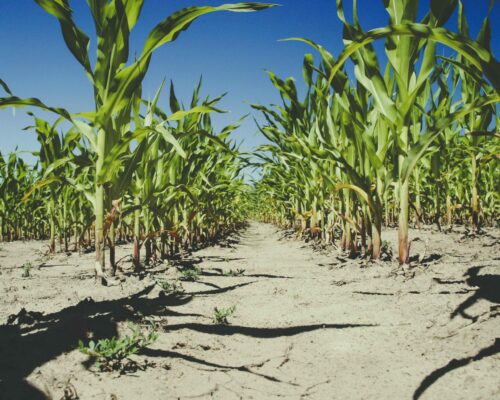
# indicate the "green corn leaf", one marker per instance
pixel 14 101
pixel 472 51
pixel 5 87
pixel 75 39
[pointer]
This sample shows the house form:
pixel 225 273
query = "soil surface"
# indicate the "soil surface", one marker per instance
pixel 308 323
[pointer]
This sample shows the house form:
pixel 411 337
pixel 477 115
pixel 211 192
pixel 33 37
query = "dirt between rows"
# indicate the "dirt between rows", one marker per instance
pixel 308 323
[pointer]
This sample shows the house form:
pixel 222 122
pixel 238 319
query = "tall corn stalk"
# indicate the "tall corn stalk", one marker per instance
pixel 116 86
pixel 355 149
pixel 410 48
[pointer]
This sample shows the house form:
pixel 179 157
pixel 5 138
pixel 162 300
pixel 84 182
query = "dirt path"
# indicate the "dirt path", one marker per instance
pixel 307 324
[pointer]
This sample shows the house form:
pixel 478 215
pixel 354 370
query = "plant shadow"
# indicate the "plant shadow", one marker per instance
pixel 483 287
pixel 30 339
pixel 454 364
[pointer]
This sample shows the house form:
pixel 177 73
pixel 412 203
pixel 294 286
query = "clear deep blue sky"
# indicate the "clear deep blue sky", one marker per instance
pixel 230 50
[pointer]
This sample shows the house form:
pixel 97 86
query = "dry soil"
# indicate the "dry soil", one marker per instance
pixel 309 323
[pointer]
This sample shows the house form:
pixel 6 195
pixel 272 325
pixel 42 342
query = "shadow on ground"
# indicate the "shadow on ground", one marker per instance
pixel 454 364
pixel 483 287
pixel 31 339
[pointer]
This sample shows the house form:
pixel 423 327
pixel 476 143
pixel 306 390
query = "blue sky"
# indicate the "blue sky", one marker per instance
pixel 230 50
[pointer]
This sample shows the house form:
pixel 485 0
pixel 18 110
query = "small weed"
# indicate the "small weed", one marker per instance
pixel 191 274
pixel 237 272
pixel 174 287
pixel 221 314
pixel 113 354
pixel 386 251
pixel 26 269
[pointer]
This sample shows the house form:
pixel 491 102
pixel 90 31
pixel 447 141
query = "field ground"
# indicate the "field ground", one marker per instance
pixel 308 323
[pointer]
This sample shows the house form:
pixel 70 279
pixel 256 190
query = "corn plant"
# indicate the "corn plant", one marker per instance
pixel 107 130
pixel 366 143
